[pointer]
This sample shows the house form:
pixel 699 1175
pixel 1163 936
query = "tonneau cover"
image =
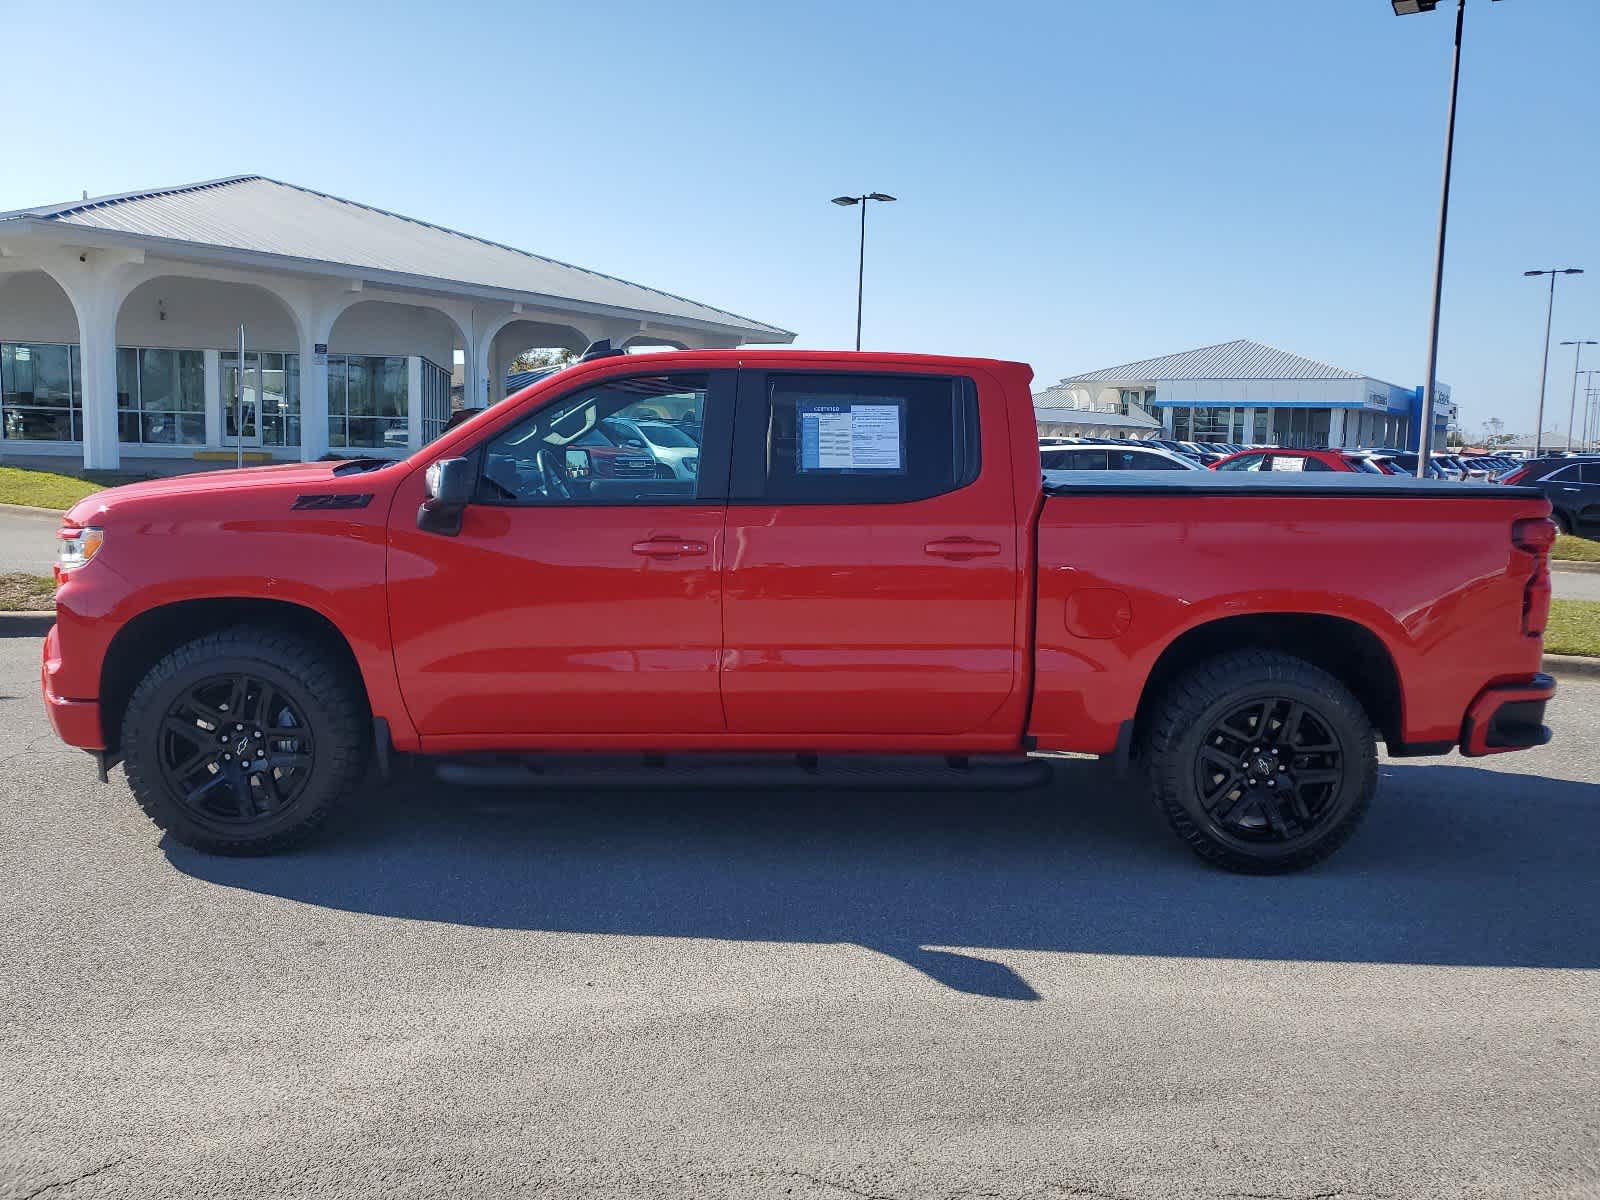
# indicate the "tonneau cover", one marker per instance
pixel 1279 483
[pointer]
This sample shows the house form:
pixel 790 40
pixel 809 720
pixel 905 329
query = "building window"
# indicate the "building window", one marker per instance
pixel 1302 428
pixel 1212 424
pixel 161 397
pixel 367 402
pixel 41 393
pixel 1183 424
pixel 435 400
pixel 1261 431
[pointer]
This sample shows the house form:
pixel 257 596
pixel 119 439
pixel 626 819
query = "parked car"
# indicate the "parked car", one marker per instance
pixel 669 444
pixel 1278 458
pixel 1572 485
pixel 870 561
pixel 1121 457
pixel 1407 462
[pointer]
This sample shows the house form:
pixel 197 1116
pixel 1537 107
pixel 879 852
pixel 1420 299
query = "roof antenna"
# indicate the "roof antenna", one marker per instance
pixel 85 193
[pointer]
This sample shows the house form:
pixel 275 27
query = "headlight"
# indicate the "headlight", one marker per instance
pixel 74 547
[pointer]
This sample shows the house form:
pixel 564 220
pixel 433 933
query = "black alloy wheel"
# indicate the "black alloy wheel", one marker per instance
pixel 235 750
pixel 1270 769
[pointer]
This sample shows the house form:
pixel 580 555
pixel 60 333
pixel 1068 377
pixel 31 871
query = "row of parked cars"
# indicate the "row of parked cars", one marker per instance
pixel 1572 483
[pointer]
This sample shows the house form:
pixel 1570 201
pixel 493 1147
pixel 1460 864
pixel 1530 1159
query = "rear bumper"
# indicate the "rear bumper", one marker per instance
pixel 1507 716
pixel 76 722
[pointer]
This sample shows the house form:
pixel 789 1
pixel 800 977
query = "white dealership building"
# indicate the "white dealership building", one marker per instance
pixel 119 323
pixel 1244 392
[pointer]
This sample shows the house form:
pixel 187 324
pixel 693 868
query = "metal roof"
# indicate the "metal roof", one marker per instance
pixel 1242 359
pixel 1063 414
pixel 265 216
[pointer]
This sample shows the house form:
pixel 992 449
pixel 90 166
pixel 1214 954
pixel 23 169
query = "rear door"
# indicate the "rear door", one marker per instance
pixel 871 579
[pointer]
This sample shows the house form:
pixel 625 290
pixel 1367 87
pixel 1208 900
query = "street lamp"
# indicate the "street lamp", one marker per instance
pixel 861 260
pixel 1544 369
pixel 1572 408
pixel 1404 8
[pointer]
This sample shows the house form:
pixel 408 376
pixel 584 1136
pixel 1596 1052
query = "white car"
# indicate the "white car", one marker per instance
pixel 670 445
pixel 1122 456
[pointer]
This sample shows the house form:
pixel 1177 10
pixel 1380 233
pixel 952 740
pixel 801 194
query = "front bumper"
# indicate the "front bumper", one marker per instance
pixel 76 722
pixel 1507 716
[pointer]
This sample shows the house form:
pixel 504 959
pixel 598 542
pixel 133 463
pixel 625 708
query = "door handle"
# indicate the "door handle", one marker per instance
pixel 1569 489
pixel 668 547
pixel 961 547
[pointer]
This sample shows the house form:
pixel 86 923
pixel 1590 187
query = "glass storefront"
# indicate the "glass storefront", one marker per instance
pixel 1377 429
pixel 1301 428
pixel 41 392
pixel 367 402
pixel 161 397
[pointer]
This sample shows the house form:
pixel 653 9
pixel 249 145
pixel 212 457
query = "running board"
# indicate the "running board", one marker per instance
pixel 855 772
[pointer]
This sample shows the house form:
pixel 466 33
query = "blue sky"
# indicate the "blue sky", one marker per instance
pixel 1081 183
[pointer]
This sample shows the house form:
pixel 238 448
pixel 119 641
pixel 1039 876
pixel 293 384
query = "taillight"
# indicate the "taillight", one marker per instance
pixel 1534 538
pixel 1518 475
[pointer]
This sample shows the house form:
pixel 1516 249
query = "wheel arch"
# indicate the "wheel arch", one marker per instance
pixel 152 634
pixel 1348 650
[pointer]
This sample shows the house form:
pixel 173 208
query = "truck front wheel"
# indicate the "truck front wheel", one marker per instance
pixel 241 742
pixel 1261 762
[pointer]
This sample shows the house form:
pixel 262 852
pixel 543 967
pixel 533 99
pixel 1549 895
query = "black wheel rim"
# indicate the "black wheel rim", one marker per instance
pixel 236 750
pixel 1270 770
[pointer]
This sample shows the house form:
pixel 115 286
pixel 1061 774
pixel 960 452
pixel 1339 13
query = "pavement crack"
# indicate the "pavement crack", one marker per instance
pixel 841 1187
pixel 79 1178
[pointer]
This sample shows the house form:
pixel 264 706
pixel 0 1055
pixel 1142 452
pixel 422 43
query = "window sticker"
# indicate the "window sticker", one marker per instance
pixel 1283 463
pixel 851 438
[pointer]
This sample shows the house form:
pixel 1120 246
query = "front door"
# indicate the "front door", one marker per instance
pixel 581 602
pixel 872 581
pixel 241 400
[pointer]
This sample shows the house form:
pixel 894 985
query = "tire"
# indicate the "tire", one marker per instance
pixel 303 730
pixel 1259 802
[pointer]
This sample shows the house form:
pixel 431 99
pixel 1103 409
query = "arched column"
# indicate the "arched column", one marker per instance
pixel 96 282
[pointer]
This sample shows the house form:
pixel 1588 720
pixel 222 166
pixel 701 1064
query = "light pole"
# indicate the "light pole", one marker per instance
pixel 1404 8
pixel 1544 367
pixel 1588 404
pixel 861 259
pixel 1577 356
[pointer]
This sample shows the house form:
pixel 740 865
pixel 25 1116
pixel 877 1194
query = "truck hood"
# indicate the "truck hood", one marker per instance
pixel 215 483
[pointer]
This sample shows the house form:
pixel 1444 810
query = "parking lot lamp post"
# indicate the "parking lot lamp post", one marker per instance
pixel 1425 435
pixel 1544 366
pixel 1572 408
pixel 861 257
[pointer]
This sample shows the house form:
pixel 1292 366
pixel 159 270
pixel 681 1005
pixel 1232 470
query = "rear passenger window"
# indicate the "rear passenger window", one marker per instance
pixel 1591 472
pixel 842 439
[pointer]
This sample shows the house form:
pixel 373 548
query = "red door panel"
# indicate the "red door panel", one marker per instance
pixel 869 618
pixel 560 620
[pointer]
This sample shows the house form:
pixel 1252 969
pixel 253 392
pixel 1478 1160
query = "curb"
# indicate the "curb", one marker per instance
pixel 1577 568
pixel 1571 666
pixel 54 512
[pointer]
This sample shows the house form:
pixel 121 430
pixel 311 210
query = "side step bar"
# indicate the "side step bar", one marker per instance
pixel 857 772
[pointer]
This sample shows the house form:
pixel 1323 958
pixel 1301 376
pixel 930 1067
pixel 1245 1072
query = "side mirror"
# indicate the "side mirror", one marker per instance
pixel 448 487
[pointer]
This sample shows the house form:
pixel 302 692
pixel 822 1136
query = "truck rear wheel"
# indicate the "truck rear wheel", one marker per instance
pixel 1261 762
pixel 242 741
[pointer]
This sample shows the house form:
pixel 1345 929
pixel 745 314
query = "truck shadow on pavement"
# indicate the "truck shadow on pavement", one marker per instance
pixel 1454 865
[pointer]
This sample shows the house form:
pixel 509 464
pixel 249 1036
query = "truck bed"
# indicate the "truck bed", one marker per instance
pixel 1426 569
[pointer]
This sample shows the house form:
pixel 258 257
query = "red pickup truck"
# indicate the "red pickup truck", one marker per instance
pixel 868 578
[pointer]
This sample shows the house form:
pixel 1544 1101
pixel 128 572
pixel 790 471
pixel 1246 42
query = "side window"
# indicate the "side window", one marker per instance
pixel 867 438
pixel 1154 462
pixel 1250 462
pixel 1564 475
pixel 1591 472
pixel 1315 464
pixel 582 449
pixel 1055 460
pixel 1087 460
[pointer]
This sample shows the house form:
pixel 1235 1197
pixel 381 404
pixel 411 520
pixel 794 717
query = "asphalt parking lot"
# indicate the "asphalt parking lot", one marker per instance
pixel 800 994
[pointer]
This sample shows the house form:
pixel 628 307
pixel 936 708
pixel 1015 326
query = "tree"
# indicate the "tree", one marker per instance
pixel 533 360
